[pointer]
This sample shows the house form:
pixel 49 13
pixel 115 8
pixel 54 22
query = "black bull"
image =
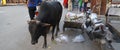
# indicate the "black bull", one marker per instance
pixel 49 15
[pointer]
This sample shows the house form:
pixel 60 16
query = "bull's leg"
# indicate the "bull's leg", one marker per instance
pixel 57 30
pixel 53 33
pixel 45 41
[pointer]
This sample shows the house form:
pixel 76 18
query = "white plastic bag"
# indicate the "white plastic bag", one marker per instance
pixel 62 38
pixel 78 38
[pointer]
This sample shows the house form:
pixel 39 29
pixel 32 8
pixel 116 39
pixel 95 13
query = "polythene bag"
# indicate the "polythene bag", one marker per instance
pixel 62 38
pixel 78 38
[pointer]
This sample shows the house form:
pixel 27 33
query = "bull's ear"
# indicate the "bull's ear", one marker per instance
pixel 37 22
pixel 46 24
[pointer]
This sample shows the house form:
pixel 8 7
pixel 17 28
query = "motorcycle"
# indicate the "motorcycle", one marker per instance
pixel 96 30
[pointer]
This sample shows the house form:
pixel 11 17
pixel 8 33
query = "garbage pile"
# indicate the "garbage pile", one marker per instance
pixel 73 17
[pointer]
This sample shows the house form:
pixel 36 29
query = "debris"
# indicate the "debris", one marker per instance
pixel 49 47
pixel 62 38
pixel 74 16
pixel 78 38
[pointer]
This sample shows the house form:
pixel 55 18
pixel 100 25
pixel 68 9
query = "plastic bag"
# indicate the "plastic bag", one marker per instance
pixel 78 38
pixel 62 38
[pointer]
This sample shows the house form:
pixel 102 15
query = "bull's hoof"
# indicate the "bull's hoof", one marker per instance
pixel 34 42
pixel 52 39
pixel 44 46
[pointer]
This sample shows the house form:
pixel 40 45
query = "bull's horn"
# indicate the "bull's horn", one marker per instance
pixel 37 22
pixel 46 24
pixel 33 21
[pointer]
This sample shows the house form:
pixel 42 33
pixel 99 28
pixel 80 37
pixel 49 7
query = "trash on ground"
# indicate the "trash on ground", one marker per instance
pixel 62 38
pixel 49 47
pixel 78 38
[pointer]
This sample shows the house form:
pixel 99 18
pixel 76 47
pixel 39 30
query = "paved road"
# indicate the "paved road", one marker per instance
pixel 14 34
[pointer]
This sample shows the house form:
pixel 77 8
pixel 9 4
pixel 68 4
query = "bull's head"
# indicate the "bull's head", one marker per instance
pixel 36 29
